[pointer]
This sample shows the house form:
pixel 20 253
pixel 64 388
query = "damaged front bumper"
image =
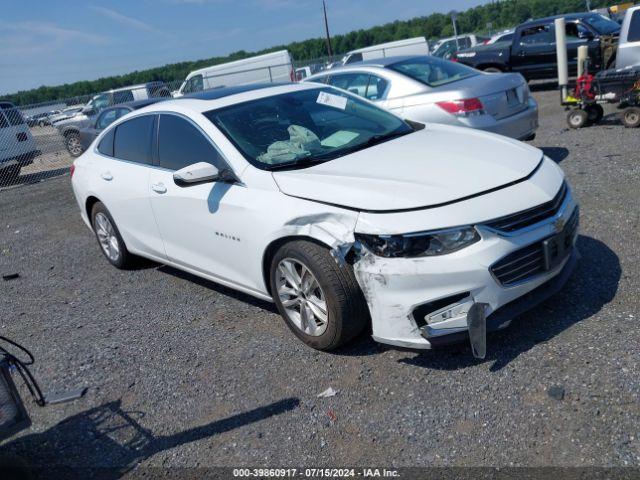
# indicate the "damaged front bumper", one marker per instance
pixel 426 302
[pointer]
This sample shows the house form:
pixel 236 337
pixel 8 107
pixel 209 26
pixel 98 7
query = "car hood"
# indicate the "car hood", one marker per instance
pixel 434 166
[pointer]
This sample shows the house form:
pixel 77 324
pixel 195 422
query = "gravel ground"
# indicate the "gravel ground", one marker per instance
pixel 183 372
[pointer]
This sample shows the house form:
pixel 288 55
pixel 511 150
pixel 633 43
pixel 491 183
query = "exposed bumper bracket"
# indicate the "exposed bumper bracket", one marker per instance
pixel 477 325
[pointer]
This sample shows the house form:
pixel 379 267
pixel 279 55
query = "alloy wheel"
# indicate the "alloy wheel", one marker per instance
pixel 73 145
pixel 302 297
pixel 107 237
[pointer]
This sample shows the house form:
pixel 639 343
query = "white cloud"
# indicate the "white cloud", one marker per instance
pixel 124 20
pixel 25 38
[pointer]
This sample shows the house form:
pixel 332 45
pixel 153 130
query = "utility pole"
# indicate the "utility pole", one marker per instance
pixel 588 5
pixel 454 16
pixel 326 29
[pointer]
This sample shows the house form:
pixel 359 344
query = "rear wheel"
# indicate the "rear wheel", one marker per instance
pixel 9 175
pixel 109 237
pixel 577 118
pixel 631 117
pixel 320 301
pixel 594 113
pixel 72 142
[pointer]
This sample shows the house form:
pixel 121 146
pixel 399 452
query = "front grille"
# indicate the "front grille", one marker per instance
pixel 526 263
pixel 531 216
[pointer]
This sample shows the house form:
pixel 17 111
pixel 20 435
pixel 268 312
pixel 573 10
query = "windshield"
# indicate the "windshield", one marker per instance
pixel 304 127
pixel 602 24
pixel 433 72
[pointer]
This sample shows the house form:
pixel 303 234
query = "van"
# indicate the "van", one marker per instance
pixel 269 68
pixel 409 46
pixel 17 146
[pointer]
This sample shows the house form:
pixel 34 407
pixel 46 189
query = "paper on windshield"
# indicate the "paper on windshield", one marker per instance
pixel 331 100
pixel 339 138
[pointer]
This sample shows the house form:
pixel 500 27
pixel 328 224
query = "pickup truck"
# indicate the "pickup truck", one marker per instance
pixel 532 50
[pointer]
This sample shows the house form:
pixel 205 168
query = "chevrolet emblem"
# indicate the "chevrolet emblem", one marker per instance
pixel 558 224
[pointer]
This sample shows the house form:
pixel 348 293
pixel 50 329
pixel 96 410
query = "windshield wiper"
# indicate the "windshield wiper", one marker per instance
pixel 299 162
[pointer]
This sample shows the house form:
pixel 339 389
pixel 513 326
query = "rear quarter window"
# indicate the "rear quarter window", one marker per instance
pixel 105 147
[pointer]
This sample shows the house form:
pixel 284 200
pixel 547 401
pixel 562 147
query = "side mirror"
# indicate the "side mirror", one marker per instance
pixel 200 172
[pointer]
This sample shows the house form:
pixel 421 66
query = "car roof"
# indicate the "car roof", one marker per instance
pixel 568 16
pixel 136 104
pixel 378 62
pixel 221 97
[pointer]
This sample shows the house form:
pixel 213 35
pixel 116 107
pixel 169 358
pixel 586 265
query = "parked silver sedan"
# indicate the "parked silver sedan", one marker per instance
pixel 429 89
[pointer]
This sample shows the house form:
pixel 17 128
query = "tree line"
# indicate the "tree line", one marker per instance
pixel 499 14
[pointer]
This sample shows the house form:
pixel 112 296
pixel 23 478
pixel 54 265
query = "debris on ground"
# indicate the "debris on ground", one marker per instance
pixel 556 392
pixel 329 392
pixel 10 276
pixel 332 415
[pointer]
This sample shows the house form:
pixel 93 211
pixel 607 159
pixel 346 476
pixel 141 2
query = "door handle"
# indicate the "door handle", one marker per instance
pixel 107 176
pixel 159 188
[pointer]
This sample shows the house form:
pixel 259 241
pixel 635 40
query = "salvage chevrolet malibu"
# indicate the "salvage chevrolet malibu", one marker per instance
pixel 344 215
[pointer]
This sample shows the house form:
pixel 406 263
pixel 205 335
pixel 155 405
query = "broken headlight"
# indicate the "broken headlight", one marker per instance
pixel 424 244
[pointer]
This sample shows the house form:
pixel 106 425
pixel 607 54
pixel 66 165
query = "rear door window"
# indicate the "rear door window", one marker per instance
pixel 105 147
pixel 181 144
pixel 106 118
pixel 634 27
pixel 376 87
pixel 132 140
pixel 351 82
pixel 540 34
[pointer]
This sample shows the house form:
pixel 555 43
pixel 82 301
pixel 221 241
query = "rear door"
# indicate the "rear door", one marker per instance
pixel 122 169
pixel 15 135
pixel 534 52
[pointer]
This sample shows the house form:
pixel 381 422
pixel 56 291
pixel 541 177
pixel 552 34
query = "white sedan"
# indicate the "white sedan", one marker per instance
pixel 344 215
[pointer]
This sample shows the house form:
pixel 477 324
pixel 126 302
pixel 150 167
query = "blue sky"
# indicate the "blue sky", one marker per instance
pixel 47 42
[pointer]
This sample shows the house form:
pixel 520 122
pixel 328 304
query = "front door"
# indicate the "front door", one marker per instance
pixel 199 223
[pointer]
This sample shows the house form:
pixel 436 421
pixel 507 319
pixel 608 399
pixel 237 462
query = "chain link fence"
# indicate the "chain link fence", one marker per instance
pixel 41 140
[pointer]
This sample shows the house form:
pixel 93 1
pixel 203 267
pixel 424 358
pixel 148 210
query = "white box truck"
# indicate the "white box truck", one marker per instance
pixel 409 46
pixel 269 68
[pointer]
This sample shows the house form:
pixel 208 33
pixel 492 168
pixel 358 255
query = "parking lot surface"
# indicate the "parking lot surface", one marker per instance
pixel 184 372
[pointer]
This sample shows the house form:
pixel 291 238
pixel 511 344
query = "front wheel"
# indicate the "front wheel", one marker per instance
pixel 320 301
pixel 577 118
pixel 72 142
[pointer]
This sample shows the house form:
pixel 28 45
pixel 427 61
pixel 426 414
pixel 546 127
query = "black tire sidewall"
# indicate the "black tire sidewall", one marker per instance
pixel 123 259
pixel 331 338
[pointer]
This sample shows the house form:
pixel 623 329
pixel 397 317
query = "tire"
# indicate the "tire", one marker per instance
pixel 631 117
pixel 492 70
pixel 346 311
pixel 577 118
pixel 9 175
pixel 72 142
pixel 109 238
pixel 594 113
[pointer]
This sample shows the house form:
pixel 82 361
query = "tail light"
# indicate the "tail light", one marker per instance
pixel 454 58
pixel 72 169
pixel 462 108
